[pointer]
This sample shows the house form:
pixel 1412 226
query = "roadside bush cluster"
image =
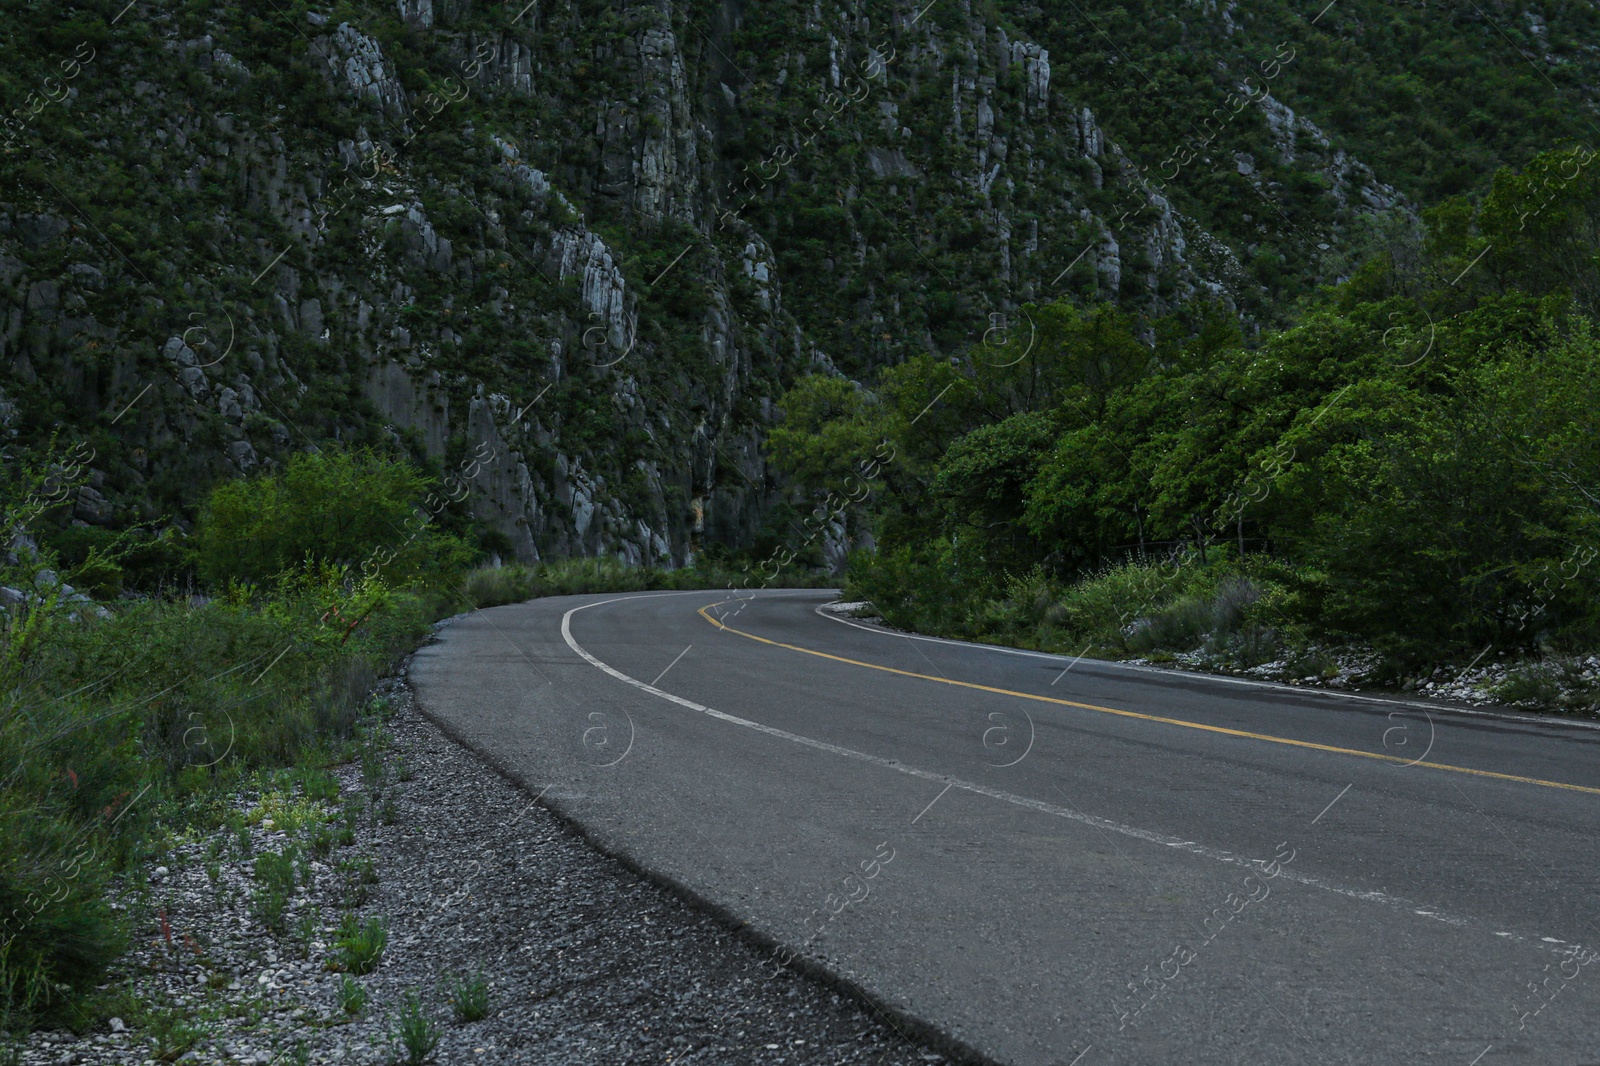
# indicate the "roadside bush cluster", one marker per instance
pixel 1410 468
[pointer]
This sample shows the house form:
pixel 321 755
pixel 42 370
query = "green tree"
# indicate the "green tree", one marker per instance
pixel 341 507
pixel 982 484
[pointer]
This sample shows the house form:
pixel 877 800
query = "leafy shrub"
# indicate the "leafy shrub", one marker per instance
pixel 333 506
pixel 114 725
pixel 1549 686
pixel 1253 645
pixel 58 932
pixel 1200 618
pixel 493 586
pixel 1181 626
pixel 913 588
pixel 1312 662
pixel 1534 686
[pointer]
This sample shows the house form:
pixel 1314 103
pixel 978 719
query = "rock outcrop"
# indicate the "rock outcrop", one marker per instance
pixel 595 247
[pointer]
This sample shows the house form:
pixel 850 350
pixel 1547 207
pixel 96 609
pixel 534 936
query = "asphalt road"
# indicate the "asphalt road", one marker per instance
pixel 1060 862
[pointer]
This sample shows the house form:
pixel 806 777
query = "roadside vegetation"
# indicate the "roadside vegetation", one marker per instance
pixel 147 680
pixel 1407 477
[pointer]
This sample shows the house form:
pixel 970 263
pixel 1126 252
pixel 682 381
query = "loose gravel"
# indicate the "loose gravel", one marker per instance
pixel 585 960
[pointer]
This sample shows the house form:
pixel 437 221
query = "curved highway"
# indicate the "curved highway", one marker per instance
pixel 1059 861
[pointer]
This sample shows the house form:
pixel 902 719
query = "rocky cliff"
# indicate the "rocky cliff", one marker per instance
pixel 593 241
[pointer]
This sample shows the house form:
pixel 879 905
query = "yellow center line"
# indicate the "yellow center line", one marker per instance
pixel 1246 734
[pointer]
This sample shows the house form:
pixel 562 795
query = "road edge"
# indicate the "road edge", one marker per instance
pixel 913 1027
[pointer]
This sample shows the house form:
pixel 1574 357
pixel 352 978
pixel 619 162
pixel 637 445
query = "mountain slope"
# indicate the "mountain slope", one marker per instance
pixel 598 241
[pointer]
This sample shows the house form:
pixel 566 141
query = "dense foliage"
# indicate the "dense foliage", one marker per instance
pixel 1412 465
pixel 332 506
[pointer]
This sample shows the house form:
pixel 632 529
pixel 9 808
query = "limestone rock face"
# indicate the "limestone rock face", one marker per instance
pixel 602 288
pixel 356 62
pixel 577 266
pixel 417 12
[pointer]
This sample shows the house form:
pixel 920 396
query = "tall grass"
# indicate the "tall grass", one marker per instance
pixel 117 730
pixel 121 727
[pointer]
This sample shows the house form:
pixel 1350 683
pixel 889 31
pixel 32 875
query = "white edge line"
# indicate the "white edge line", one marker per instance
pixel 1148 836
pixel 1222 679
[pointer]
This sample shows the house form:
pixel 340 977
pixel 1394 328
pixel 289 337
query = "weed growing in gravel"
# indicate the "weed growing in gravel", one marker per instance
pixel 355 895
pixel 1549 686
pixel 372 764
pixel 469 998
pixel 306 928
pixel 289 814
pixel 319 785
pixel 403 769
pixel 321 842
pixel 171 1035
pixel 277 868
pixel 275 874
pixel 359 877
pixel 242 835
pixel 415 1035
pixel 352 997
pixel 388 811
pixel 354 808
pixel 358 945
pixel 267 905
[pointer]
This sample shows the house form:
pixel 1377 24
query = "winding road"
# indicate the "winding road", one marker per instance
pixel 1059 861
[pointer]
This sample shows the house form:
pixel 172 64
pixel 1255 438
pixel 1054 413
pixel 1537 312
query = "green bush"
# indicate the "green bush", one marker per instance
pixel 1200 618
pixel 345 507
pixel 57 931
pixel 359 945
pixel 1550 686
pixel 415 1035
pixel 493 586
pixel 913 588
pixel 469 998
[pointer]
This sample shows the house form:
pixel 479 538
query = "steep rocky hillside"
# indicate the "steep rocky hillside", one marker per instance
pixel 595 241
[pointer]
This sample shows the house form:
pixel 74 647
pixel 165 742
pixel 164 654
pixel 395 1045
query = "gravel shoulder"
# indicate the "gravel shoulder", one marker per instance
pixel 585 960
